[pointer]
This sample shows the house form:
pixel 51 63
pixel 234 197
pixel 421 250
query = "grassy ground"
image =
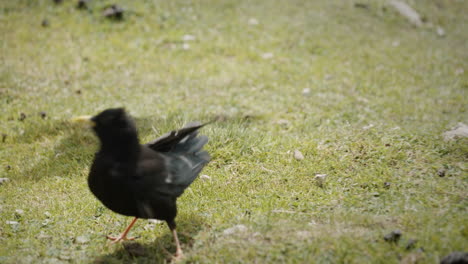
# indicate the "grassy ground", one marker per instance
pixel 381 93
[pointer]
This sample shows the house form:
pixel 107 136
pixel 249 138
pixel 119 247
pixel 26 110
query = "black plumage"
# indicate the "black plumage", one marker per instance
pixel 143 181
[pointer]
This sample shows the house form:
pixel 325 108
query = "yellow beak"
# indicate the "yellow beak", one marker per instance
pixel 85 119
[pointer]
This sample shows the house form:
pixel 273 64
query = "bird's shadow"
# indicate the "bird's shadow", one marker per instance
pixel 161 250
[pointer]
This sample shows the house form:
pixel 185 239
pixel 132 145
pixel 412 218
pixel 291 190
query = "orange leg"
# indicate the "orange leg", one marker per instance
pixel 123 236
pixel 179 255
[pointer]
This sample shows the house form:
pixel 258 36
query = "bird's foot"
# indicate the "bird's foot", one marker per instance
pixel 120 238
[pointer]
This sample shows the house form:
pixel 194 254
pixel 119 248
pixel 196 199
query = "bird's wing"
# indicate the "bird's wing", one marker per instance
pixel 168 141
pixel 168 173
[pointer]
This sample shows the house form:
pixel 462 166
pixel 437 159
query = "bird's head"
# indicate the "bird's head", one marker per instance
pixel 111 124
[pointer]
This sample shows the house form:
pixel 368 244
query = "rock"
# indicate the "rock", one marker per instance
pixel 393 236
pixel 234 230
pixel 114 12
pixel 320 179
pixel 188 38
pixel 440 32
pixel 407 11
pixel 306 92
pixel 253 21
pixel 298 155
pixel 361 5
pixel 47 214
pixel 459 71
pixel 155 221
pixel 135 249
pixel 45 22
pixel 387 185
pixel 81 239
pixel 267 55
pixel 455 258
pixel 283 122
pixel 441 172
pixel 19 213
pixel 411 244
pixel 459 131
pixel 12 223
pixel 205 177
pixel 3 180
pixel 185 46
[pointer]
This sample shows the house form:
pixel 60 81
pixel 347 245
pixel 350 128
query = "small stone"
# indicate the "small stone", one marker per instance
pixel 393 236
pixel 368 127
pixel 361 5
pixel 114 12
pixel 252 21
pixel 155 221
pixel 235 229
pixel 81 239
pixel 43 235
pixel 46 222
pixel 185 46
pixel 22 117
pixel 267 55
pixel 13 223
pixel 387 185
pixel 188 38
pixel 45 22
pixel 306 91
pixel 328 77
pixel 441 172
pixel 320 179
pixel 459 131
pixel 135 249
pixel 283 122
pixel 440 32
pixel 65 256
pixel 3 180
pixel 19 212
pixel 459 71
pixel 43 114
pixel 149 227
pixel 298 155
pixel 205 177
pixel 47 214
pixel 411 244
pixel 455 258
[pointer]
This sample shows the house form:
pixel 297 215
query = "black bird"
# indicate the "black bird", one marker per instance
pixel 143 181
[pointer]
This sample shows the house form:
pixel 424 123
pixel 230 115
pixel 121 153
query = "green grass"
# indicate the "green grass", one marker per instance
pixel 382 92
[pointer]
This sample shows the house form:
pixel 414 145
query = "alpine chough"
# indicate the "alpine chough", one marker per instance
pixel 143 181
